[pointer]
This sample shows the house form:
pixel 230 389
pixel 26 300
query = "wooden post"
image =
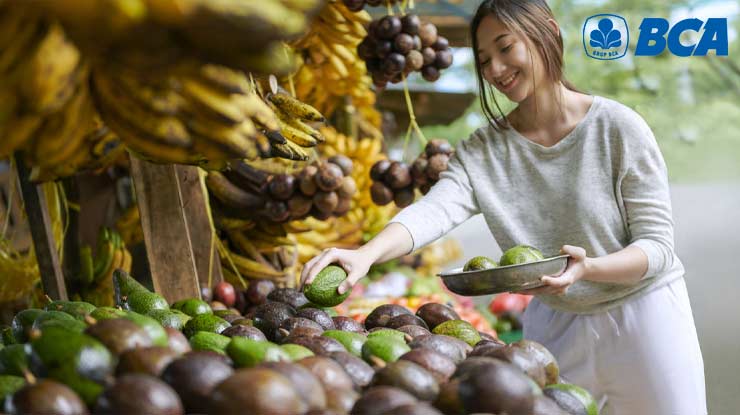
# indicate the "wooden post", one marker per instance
pixel 34 199
pixel 71 260
pixel 166 234
pixel 199 226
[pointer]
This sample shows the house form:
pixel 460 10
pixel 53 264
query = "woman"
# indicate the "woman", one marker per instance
pixel 569 172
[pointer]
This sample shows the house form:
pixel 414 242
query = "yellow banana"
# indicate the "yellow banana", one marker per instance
pixel 295 107
pixel 212 102
pixel 156 95
pixel 17 133
pixel 233 140
pixel 259 111
pixel 228 80
pixel 254 269
pixel 362 17
pixel 297 136
pixel 230 194
pixel 290 151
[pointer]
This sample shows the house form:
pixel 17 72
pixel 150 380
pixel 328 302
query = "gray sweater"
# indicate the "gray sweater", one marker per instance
pixel 603 187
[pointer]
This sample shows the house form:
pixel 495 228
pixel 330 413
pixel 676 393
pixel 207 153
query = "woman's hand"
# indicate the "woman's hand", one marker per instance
pixel 356 262
pixel 574 271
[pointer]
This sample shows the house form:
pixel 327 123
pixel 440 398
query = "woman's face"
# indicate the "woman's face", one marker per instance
pixel 506 61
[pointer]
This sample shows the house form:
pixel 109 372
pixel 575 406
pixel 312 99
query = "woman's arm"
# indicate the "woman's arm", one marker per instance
pixel 626 266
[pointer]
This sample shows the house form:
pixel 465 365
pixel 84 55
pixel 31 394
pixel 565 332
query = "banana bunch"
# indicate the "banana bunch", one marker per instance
pixel 259 251
pixel 128 226
pixel 96 276
pixel 295 118
pixel 364 219
pixel 172 35
pixel 205 117
pixel 19 271
pixel 331 68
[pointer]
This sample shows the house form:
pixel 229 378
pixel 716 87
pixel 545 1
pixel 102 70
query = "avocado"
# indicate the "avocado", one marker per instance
pixel 378 400
pixel 572 399
pixel 479 263
pixel 330 373
pixel 317 315
pixel 419 408
pixel 194 376
pixel 435 314
pixel 14 360
pixel 269 316
pixel 323 289
pixel 205 322
pixel 149 360
pixel 351 341
pixel 300 332
pixel 406 320
pixel 383 332
pixel 258 290
pixel 448 399
pixel 410 377
pixel 204 340
pixel 466 366
pixel 45 397
pixel 143 302
pixel 345 323
pixel 175 319
pixel 453 348
pixel 289 296
pixel 77 309
pixel 58 319
pixel 193 307
pixel 486 347
pixel 119 335
pixel 318 344
pixel 382 314
pixel 177 341
pixel 358 370
pixel 78 360
pixel 414 331
pixel 387 349
pixel 269 393
pixel 138 393
pixel 8 386
pixel 126 284
pixel 520 254
pixel 244 331
pixel 22 323
pixel 153 328
pixel 496 387
pixel 438 365
pixel 341 401
pixel 543 357
pixel 296 351
pixel 227 312
pixel 523 360
pixel 460 329
pixel 545 405
pixel 290 324
pixel 305 383
pixel 247 353
pixel 102 313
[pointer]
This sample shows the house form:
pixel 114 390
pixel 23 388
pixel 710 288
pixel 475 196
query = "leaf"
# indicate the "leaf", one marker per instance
pixel 613 39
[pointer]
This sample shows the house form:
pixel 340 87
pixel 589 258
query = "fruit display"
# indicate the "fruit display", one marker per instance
pixel 95 282
pixel 269 351
pixel 396 46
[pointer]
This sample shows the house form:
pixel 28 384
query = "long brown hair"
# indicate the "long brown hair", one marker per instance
pixel 527 18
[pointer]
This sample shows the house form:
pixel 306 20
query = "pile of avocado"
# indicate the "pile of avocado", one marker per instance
pixel 269 350
pixel 520 254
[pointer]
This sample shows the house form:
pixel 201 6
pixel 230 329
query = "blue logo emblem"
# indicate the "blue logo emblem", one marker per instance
pixel 606 36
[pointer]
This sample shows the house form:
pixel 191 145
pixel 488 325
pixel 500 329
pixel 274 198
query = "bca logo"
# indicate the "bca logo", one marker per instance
pixel 606 36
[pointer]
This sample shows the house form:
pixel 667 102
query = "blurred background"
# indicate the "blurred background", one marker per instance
pixel 692 105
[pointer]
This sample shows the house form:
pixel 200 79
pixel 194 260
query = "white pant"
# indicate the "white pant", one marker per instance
pixel 641 358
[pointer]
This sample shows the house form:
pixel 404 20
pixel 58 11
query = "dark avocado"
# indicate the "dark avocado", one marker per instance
pixel 381 315
pixel 410 377
pixel 439 365
pixel 137 393
pixel 360 372
pixel 434 314
pixel 45 397
pixel 269 393
pixel 194 376
pixel 378 400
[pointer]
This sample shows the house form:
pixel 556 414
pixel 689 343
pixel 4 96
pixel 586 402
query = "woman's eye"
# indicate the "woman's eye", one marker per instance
pixel 485 62
pixel 506 49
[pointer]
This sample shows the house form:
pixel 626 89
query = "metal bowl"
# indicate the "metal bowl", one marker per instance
pixel 503 279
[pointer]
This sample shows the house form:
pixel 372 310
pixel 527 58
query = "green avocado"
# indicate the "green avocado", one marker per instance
pixel 144 301
pixel 479 263
pixel 351 341
pixel 104 313
pixel 388 349
pixel 75 359
pixel 323 290
pixel 395 334
pixel 247 352
pixel 204 340
pixel 22 323
pixel 9 385
pixel 155 330
pixel 175 319
pixel 77 309
pixel 460 329
pixel 193 307
pixel 296 351
pixel 205 322
pixel 573 399
pixel 520 254
pixel 13 360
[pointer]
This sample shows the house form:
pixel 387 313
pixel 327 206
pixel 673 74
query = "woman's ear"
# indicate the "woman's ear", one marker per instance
pixel 554 26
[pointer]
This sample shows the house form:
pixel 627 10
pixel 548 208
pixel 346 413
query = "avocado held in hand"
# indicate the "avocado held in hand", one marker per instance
pixel 479 263
pixel 520 254
pixel 323 290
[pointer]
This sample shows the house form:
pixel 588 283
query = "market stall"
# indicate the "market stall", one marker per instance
pixel 168 167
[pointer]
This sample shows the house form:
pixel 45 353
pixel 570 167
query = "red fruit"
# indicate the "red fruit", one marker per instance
pixel 507 302
pixel 225 293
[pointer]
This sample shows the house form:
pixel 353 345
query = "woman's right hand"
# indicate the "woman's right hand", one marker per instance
pixel 355 262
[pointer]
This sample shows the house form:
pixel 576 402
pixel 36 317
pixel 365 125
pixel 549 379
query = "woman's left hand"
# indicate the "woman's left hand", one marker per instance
pixel 574 271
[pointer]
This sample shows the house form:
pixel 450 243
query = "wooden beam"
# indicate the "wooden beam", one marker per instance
pixel 34 199
pixel 166 234
pixel 199 226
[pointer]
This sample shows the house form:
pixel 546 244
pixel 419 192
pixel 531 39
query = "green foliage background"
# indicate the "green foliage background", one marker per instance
pixel 692 104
